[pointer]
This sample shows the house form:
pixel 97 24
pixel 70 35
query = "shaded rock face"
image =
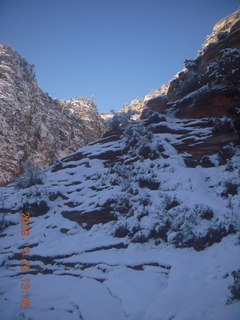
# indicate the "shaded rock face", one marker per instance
pixel 101 215
pixel 215 103
pixel 33 125
pixel 158 104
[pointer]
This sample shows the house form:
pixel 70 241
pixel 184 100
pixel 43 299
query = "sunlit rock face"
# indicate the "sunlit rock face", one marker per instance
pixel 33 125
pixel 139 105
pixel 225 34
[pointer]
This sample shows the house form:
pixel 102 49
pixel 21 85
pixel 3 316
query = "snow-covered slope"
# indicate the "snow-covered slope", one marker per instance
pixel 142 224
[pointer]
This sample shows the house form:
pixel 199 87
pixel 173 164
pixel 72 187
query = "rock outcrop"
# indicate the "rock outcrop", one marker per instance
pixel 225 34
pixel 33 125
pixel 209 85
pixel 139 104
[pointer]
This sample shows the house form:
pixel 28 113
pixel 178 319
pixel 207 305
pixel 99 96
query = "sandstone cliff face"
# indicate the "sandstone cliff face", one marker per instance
pixel 209 85
pixel 194 93
pixel 33 125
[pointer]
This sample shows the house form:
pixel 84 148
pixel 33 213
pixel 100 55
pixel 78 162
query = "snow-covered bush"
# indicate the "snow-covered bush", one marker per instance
pixel 226 153
pixel 30 177
pixel 224 124
pixel 120 230
pixel 120 119
pixel 198 227
pixel 37 193
pixel 36 199
pixel 153 117
pixel 230 188
pixel 3 197
pixel 133 134
pixel 235 287
pixel 169 202
pixel 145 200
pixel 149 183
pixel 123 206
pixel 225 70
pixel 188 81
pixel 120 175
pixel 190 64
pixel 195 226
pixel 121 170
pixel 138 139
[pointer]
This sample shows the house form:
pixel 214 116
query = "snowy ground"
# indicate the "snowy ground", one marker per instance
pixel 139 282
pixel 85 273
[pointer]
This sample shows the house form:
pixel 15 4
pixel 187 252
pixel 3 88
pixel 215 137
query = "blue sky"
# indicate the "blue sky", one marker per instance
pixel 114 50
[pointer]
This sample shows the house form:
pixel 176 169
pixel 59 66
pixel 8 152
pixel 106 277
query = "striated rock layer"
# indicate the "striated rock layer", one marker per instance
pixel 33 125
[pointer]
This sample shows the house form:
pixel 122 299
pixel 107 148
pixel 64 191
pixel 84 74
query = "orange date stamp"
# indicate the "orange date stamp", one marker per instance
pixel 24 262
